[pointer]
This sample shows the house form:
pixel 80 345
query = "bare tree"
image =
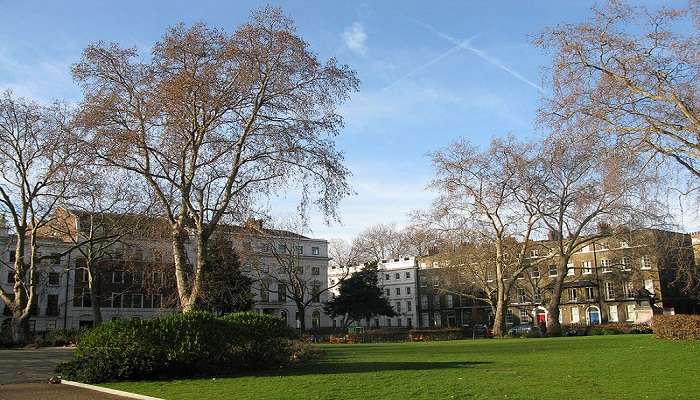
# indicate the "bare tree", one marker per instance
pixel 213 120
pixel 279 268
pixel 489 198
pixel 342 254
pixel 380 242
pixel 633 71
pixel 103 211
pixel 38 159
pixel 587 182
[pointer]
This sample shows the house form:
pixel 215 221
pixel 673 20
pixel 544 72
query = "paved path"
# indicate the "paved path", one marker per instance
pixel 31 365
pixel 47 391
pixel 24 374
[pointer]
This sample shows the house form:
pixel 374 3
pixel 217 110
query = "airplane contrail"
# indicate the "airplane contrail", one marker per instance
pixel 453 49
pixel 483 55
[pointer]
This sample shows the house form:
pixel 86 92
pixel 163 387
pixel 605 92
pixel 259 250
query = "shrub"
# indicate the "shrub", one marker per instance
pixel 437 334
pixel 677 327
pixel 59 337
pixel 179 345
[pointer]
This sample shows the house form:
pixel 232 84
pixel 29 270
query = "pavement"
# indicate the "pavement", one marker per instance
pixel 24 374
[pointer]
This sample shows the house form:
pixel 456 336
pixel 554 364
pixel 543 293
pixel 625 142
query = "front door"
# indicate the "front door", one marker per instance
pixel 541 319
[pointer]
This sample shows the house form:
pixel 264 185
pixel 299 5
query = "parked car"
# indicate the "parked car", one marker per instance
pixel 525 330
pixel 479 330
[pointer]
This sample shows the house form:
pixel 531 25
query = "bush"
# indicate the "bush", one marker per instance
pixel 179 345
pixel 59 337
pixel 437 334
pixel 677 327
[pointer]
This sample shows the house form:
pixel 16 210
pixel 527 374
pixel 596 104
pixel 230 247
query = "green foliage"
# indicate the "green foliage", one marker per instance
pixel 178 345
pixel 59 337
pixel 225 289
pixel 677 327
pixel 360 297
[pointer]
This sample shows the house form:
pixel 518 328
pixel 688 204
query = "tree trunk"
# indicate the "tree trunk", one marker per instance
pixel 94 298
pixel 553 325
pixel 499 319
pixel 179 257
pixel 20 328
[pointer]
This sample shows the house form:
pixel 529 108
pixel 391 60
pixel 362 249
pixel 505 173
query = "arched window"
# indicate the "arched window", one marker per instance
pixel 283 315
pixel 316 320
pixel 593 315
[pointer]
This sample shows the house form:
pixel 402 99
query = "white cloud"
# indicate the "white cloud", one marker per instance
pixel 355 38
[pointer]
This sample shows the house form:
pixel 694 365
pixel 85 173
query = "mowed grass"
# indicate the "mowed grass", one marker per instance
pixel 597 367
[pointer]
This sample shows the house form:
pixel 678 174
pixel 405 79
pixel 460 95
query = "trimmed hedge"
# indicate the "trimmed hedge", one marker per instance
pixel 677 327
pixel 179 345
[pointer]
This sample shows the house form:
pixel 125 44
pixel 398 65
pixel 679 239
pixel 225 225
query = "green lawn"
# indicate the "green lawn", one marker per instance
pixel 597 367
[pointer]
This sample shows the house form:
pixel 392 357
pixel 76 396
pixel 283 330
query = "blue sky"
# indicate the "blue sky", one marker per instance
pixel 419 90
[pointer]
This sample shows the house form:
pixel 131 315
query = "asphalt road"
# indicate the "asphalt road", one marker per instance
pixel 24 374
pixel 31 365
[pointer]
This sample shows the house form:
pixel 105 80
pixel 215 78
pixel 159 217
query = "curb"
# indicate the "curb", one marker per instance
pixel 109 391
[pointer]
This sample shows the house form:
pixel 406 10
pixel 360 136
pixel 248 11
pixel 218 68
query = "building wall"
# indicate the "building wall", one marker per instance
pixel 136 296
pixel 397 278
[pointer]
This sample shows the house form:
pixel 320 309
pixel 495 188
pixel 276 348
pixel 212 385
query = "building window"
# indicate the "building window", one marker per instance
pixel 56 258
pixel 11 277
pixel 158 278
pixel 604 246
pixel 509 317
pixel 316 292
pixel 535 273
pixel 398 291
pixel 408 290
pixel 399 322
pixel 436 301
pixel 489 276
pixel 590 295
pixel 521 295
pixel 387 292
pixel 315 251
pixel 84 299
pixel 282 248
pixel 606 264
pixel 534 253
pixel 450 300
pixel 570 269
pixel 117 276
pixel 524 316
pixel 626 264
pixel 387 277
pixel 646 262
pixel 264 293
pixel 116 300
pixel 409 322
pixel 397 276
pixel 137 300
pixel 612 312
pixel 54 278
pixel 424 302
pixel 315 270
pixel 575 318
pixel 157 301
pixel 281 292
pixel 408 275
pixel 398 307
pixel 628 289
pixel 587 268
pixel 52 305
pixel 649 285
pixel 552 270
pixel 573 294
pixel 137 278
pixel 409 306
pixel 300 249
pixel 609 290
pixel 630 312
pixel 537 297
pixel 316 320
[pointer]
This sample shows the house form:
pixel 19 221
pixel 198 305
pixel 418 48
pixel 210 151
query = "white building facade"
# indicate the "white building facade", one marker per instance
pixel 397 278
